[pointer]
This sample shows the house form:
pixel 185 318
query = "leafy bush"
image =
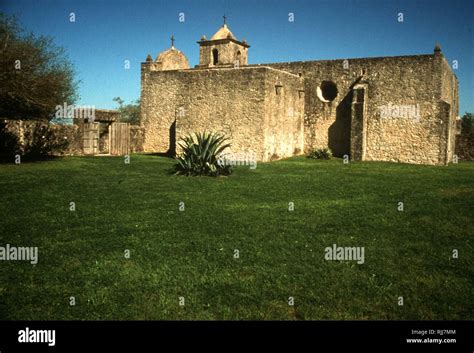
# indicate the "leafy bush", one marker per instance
pixel 320 153
pixel 10 144
pixel 200 155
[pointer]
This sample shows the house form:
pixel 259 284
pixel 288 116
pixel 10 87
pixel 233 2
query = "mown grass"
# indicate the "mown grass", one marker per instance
pixel 190 253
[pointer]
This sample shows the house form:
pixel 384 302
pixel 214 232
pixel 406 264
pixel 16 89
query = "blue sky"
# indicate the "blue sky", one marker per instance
pixel 107 32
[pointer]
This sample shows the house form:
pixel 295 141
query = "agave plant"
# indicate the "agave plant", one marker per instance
pixel 320 153
pixel 201 155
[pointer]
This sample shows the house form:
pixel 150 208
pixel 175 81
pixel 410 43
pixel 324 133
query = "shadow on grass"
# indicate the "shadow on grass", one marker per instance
pixel 160 154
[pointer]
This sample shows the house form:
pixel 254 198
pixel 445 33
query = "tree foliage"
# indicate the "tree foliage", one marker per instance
pixel 129 113
pixel 36 74
pixel 467 124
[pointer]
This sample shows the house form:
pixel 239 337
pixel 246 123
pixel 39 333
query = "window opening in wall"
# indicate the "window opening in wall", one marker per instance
pixel 327 92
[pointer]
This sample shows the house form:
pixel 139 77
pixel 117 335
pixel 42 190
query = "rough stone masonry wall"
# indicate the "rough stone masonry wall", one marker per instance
pixel 242 103
pixel 137 137
pixel 284 109
pixel 27 137
pixel 325 123
pixel 227 51
pixel 159 107
pixel 229 101
pixel 404 80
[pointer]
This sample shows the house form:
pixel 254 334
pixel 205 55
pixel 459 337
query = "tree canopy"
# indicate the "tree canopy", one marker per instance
pixel 36 74
pixel 467 124
pixel 129 113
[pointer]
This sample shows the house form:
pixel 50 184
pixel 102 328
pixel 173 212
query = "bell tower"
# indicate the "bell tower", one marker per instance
pixel 223 49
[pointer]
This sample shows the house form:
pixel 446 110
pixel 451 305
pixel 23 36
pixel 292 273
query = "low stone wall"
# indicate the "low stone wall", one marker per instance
pixel 38 138
pixel 465 147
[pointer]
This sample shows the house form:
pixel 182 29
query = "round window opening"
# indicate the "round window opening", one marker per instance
pixel 327 91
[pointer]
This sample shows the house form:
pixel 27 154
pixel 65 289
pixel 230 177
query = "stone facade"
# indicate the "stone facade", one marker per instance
pixel 400 109
pixel 137 136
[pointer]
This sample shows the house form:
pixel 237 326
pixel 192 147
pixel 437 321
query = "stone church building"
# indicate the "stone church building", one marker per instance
pixel 400 108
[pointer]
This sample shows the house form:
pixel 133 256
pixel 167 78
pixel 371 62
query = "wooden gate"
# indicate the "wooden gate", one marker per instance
pixel 119 139
pixel 90 142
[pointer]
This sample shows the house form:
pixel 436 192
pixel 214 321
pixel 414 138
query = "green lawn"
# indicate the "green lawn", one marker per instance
pixel 190 253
